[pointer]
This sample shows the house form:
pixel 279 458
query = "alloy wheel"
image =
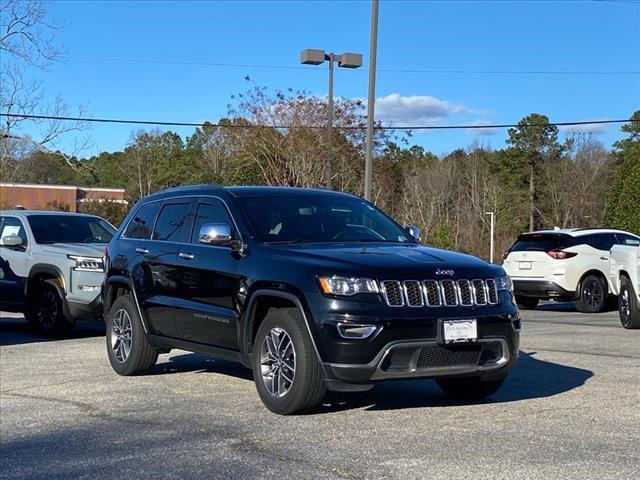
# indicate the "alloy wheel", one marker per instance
pixel 625 306
pixel 593 294
pixel 47 311
pixel 278 362
pixel 121 335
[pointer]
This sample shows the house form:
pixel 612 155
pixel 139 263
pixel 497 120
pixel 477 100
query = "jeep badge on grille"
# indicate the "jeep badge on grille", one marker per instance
pixel 450 273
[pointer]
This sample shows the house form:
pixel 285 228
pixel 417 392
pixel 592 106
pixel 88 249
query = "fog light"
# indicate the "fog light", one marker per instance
pixel 356 331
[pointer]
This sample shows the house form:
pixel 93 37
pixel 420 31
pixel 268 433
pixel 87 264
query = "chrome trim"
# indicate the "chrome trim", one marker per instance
pixel 426 293
pixel 371 330
pixel 495 289
pixel 386 297
pixel 468 283
pixel 445 303
pixel 406 293
pixel 474 293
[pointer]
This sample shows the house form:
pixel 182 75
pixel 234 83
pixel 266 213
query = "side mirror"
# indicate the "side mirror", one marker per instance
pixel 12 241
pixel 413 231
pixel 215 234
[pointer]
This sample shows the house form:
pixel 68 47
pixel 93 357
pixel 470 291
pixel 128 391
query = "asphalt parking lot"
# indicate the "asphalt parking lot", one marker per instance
pixel 570 409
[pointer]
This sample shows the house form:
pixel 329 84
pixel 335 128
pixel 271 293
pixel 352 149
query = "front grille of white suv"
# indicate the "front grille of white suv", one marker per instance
pixel 440 293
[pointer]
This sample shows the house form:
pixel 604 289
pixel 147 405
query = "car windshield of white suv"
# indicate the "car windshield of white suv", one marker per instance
pixel 320 219
pixel 70 229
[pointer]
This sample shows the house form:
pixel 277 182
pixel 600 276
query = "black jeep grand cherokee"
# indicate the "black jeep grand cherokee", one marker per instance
pixel 311 289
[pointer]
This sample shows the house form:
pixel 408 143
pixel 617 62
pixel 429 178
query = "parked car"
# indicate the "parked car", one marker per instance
pixel 311 289
pixel 625 281
pixel 564 265
pixel 51 266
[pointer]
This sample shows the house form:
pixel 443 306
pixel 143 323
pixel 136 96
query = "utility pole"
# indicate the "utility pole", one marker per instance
pixel 492 215
pixel 330 123
pixel 373 48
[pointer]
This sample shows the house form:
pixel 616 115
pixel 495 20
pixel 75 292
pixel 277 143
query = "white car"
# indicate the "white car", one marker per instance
pixel 624 274
pixel 564 265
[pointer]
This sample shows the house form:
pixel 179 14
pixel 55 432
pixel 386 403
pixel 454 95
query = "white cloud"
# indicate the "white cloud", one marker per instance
pixel 594 128
pixel 414 110
pixel 483 128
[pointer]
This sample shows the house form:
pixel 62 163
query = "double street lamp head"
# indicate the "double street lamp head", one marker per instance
pixel 317 57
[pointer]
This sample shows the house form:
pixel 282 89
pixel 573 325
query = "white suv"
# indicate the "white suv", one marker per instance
pixel 564 265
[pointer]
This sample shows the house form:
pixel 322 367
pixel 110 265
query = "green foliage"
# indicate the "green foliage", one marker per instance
pixel 442 236
pixel 623 209
pixel 113 212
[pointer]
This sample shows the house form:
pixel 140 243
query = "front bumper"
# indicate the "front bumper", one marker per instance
pixel 86 311
pixel 540 289
pixel 406 342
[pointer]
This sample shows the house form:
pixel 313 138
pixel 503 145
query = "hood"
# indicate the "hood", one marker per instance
pixel 391 260
pixel 83 249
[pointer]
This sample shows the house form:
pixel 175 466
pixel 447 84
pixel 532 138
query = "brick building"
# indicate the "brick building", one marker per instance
pixel 55 197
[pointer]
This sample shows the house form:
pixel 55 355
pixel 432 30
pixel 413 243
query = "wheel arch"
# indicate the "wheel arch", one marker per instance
pixel 597 273
pixel 42 271
pixel 260 303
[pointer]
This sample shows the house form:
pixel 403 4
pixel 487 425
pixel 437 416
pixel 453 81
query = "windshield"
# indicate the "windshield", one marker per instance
pixel 70 229
pixel 541 242
pixel 319 218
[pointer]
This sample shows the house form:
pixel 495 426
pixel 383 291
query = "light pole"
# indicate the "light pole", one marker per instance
pixel 345 60
pixel 492 215
pixel 373 48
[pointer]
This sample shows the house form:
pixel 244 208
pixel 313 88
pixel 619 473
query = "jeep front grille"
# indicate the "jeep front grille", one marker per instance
pixel 439 293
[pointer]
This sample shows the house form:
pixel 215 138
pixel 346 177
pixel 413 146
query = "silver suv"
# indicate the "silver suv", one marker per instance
pixel 52 267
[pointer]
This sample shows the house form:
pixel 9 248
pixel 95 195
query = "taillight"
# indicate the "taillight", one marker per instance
pixel 561 254
pixel 505 254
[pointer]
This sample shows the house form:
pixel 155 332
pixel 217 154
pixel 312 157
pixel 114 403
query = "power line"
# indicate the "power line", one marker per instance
pixel 440 71
pixel 215 125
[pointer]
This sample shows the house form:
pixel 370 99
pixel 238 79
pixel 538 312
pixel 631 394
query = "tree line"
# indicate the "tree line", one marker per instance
pixel 535 181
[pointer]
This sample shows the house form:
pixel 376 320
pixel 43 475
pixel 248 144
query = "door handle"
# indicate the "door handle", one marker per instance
pixel 142 251
pixel 188 256
pixel 604 258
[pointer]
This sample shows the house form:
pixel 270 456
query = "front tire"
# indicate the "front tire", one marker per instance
pixel 526 303
pixel 50 314
pixel 128 348
pixel 286 370
pixel 628 307
pixel 593 295
pixel 469 388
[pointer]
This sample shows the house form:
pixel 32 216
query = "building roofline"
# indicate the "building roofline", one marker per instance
pixel 62 187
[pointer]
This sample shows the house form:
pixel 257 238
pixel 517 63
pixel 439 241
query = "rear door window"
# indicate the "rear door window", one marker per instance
pixel 173 222
pixel 541 242
pixel 141 225
pixel 601 241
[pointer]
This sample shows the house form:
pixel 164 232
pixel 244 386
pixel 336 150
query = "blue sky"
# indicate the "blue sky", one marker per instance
pixel 413 35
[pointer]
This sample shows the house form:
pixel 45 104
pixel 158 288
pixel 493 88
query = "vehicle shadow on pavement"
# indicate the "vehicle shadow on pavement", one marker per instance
pixel 194 362
pixel 610 306
pixel 16 331
pixel 531 378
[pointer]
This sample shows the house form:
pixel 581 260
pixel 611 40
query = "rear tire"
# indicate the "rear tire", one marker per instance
pixel 593 295
pixel 286 369
pixel 527 303
pixel 129 350
pixel 469 388
pixel 50 314
pixel 628 307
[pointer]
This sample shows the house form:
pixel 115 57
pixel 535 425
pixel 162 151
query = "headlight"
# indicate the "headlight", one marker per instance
pixel 87 264
pixel 504 283
pixel 347 286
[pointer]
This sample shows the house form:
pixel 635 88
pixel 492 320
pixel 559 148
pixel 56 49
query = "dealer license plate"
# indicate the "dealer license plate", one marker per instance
pixel 524 265
pixel 459 331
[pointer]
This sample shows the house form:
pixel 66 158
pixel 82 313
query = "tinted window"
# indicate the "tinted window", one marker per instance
pixel 541 242
pixel 12 226
pixel 142 223
pixel 172 223
pixel 70 229
pixel 601 241
pixel 210 212
pixel 320 218
pixel 626 239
